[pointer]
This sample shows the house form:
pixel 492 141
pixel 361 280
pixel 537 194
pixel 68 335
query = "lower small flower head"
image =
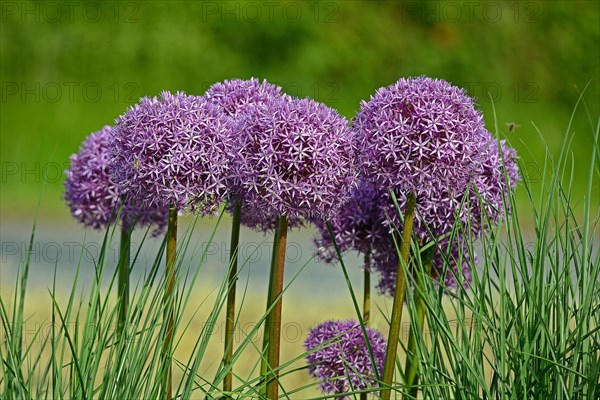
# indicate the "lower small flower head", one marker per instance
pixel 172 152
pixel 339 356
pixel 359 225
pixel 94 198
pixel 296 159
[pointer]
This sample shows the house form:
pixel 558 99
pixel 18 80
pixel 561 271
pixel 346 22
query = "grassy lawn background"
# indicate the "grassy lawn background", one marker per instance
pixel 66 72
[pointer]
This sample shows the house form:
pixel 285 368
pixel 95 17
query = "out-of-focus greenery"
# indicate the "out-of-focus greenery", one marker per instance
pixel 69 68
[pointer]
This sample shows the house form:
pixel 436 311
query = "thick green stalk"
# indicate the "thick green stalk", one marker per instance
pixel 366 302
pixel 229 324
pixel 396 320
pixel 170 274
pixel 412 363
pixel 275 316
pixel 367 293
pixel 123 269
pixel 123 283
pixel 263 363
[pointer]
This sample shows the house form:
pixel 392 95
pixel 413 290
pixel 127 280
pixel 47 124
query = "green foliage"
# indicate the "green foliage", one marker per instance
pixel 529 326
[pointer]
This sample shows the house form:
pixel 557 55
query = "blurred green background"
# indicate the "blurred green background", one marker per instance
pixel 69 68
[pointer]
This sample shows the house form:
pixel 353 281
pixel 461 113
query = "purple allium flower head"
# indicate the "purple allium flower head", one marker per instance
pixel 420 134
pixel 359 224
pixel 173 152
pixel 339 356
pixel 424 136
pixel 93 196
pixel 297 159
pixel 236 96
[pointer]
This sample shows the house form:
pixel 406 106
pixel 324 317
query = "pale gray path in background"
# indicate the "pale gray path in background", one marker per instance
pixel 62 245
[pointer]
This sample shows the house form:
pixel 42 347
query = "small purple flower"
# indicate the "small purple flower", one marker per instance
pixel 296 159
pixel 173 152
pixel 93 196
pixel 338 356
pixel 358 226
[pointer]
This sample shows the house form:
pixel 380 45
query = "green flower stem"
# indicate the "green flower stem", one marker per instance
pixel 366 302
pixel 394 333
pixel 168 318
pixel 367 293
pixel 229 324
pixel 263 363
pixel 123 279
pixel 412 363
pixel 275 316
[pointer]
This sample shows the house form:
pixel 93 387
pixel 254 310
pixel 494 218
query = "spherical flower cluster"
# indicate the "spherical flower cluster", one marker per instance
pixel 92 195
pixel 297 159
pixel 424 136
pixel 235 98
pixel 173 151
pixel 339 357
pixel 237 95
pixel 358 226
pixel 420 134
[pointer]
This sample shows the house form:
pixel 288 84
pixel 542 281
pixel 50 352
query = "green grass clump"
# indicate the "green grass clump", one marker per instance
pixel 528 328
